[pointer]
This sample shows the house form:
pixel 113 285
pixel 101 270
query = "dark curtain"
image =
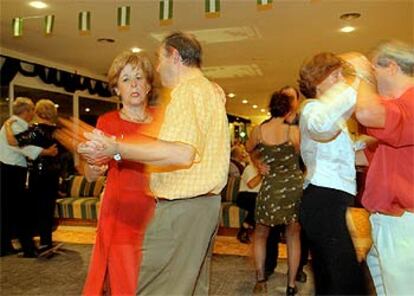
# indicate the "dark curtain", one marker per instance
pixel 69 81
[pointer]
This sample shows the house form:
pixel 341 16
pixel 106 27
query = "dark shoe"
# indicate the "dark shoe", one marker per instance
pixel 243 235
pixel 269 273
pixel 301 276
pixel 8 252
pixel 30 254
pixel 44 248
pixel 291 291
pixel 260 287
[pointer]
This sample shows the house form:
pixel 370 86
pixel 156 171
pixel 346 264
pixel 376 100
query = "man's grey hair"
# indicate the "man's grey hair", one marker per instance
pixel 397 51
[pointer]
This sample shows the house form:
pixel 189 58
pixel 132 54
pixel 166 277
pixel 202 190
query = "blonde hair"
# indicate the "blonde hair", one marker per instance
pixel 46 109
pixel 137 60
pixel 22 104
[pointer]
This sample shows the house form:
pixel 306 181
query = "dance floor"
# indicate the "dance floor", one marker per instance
pixel 64 274
pixel 232 270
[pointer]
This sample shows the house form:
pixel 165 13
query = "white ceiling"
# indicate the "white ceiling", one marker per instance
pixel 247 51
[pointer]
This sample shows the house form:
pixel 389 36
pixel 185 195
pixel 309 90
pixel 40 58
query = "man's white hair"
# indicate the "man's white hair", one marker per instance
pixel 397 51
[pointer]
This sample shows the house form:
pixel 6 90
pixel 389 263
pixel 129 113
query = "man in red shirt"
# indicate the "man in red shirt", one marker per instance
pixel 389 191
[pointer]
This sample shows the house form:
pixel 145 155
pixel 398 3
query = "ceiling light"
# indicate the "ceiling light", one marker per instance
pixel 347 29
pixel 254 106
pixel 231 95
pixel 242 134
pixel 38 4
pixel 245 101
pixel 268 113
pixel 87 110
pixel 57 106
pixel 263 110
pixel 136 49
pixel 350 16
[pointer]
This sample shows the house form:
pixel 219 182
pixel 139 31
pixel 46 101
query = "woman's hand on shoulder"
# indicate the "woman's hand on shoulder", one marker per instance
pixel 10 121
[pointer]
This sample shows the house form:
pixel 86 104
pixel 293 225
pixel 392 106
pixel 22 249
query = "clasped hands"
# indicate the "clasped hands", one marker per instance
pixel 362 66
pixel 99 149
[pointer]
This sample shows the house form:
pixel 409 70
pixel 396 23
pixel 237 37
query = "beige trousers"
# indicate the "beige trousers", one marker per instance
pixel 178 246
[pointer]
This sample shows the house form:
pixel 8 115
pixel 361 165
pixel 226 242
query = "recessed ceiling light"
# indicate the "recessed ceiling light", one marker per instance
pixel 350 16
pixel 254 106
pixel 105 40
pixel 38 4
pixel 263 110
pixel 87 110
pixel 136 49
pixel 231 95
pixel 57 105
pixel 347 29
pixel 245 101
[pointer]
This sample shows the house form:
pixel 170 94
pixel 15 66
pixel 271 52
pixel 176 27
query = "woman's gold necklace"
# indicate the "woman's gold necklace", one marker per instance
pixel 136 119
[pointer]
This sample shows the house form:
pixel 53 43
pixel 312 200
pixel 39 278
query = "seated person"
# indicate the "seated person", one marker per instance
pixel 236 161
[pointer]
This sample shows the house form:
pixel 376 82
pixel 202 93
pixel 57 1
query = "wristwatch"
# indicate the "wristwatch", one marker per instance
pixel 118 157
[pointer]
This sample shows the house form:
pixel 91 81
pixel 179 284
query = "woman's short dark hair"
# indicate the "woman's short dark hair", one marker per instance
pixel 187 46
pixel 315 70
pixel 280 104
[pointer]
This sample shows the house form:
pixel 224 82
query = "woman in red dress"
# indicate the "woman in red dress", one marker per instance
pixel 126 206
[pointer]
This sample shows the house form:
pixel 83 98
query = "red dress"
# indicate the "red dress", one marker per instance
pixel 125 211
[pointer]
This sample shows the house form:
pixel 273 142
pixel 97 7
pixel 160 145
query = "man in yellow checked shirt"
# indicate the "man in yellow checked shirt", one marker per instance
pixel 194 145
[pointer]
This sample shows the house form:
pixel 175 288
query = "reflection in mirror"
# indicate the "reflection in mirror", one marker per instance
pixel 64 102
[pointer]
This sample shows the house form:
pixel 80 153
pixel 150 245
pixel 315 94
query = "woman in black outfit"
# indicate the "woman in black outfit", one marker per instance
pixel 43 171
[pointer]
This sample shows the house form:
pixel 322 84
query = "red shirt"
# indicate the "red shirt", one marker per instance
pixel 390 179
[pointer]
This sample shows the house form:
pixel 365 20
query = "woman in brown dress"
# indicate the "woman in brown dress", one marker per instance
pixel 279 197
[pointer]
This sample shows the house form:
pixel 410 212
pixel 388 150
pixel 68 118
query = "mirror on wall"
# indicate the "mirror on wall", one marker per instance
pixel 91 109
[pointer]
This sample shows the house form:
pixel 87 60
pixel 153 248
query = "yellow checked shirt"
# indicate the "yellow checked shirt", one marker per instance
pixel 195 116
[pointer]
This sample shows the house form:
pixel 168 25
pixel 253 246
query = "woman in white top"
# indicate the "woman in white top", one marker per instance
pixel 330 186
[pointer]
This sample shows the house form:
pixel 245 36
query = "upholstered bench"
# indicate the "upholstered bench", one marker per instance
pixel 82 201
pixel 231 215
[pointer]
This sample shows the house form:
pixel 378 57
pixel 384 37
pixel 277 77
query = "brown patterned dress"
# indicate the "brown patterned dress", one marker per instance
pixel 279 197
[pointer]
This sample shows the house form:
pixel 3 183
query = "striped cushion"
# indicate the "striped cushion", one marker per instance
pixel 230 191
pixel 78 208
pixel 231 215
pixel 80 187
